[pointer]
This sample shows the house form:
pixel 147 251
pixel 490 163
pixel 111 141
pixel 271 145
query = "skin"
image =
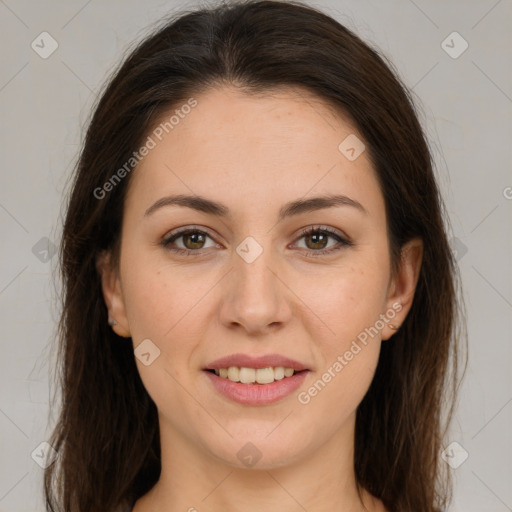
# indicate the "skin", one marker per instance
pixel 254 154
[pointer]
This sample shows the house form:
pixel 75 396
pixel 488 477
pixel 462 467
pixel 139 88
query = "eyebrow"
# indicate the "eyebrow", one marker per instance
pixel 293 208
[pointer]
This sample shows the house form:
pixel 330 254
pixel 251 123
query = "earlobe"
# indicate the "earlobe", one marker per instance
pixel 403 286
pixel 112 294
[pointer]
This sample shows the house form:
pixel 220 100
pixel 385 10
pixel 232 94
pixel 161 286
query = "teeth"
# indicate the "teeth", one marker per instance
pixel 246 375
pixel 252 375
pixel 279 373
pixel 233 373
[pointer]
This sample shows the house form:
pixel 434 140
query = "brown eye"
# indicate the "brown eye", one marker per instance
pixel 192 240
pixel 317 240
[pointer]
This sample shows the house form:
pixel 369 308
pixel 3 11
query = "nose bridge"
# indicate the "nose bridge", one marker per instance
pixel 252 271
pixel 256 295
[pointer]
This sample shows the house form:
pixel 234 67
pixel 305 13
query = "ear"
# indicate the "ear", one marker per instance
pixel 403 284
pixel 112 293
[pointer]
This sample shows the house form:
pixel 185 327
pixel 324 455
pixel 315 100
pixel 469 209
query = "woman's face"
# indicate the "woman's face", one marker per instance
pixel 252 283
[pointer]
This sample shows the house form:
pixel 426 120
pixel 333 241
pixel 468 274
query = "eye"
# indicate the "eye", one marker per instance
pixel 193 241
pixel 319 237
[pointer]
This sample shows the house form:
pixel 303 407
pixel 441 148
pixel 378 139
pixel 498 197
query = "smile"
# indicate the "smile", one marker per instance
pixel 252 392
pixel 252 375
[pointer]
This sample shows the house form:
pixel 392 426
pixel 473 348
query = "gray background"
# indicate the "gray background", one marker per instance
pixel 465 104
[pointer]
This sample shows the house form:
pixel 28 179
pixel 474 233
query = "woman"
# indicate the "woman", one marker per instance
pixel 260 306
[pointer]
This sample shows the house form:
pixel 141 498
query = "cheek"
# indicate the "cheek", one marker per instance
pixel 160 307
pixel 151 302
pixel 346 299
pixel 349 343
pixel 168 304
pixel 345 307
pixel 158 296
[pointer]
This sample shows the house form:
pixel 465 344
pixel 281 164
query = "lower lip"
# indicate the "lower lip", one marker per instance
pixel 257 394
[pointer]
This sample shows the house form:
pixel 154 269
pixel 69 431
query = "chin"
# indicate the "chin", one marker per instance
pixel 251 452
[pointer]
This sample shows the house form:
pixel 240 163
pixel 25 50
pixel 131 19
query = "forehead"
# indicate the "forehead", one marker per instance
pixel 268 147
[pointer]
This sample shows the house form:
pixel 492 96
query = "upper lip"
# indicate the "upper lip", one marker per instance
pixel 263 361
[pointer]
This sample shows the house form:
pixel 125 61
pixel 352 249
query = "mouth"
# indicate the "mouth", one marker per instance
pixel 255 380
pixel 241 385
pixel 260 376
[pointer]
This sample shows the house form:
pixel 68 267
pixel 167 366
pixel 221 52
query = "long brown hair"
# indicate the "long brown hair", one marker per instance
pixel 107 434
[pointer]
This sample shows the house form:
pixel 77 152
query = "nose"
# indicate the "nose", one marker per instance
pixel 256 298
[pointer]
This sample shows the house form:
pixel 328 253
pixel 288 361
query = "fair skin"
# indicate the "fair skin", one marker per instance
pixel 253 154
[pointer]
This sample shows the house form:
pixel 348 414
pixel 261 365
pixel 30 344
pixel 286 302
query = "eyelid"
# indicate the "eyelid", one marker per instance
pixel 343 240
pixel 328 229
pixel 331 232
pixel 303 231
pixel 182 231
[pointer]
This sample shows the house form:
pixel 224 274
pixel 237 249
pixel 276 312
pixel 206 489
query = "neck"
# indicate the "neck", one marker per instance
pixel 194 480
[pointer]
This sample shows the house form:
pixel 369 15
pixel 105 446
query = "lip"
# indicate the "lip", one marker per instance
pixel 263 361
pixel 256 394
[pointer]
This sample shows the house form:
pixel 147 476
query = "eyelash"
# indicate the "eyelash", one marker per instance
pixel 306 231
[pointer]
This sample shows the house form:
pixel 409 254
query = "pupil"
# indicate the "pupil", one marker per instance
pixel 320 235
pixel 194 235
pixel 197 238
